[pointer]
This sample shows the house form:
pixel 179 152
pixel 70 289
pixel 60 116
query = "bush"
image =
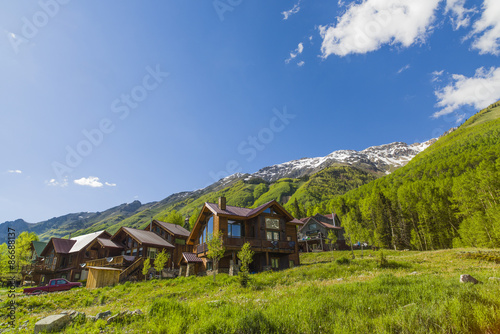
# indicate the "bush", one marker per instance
pixel 342 260
pixel 382 261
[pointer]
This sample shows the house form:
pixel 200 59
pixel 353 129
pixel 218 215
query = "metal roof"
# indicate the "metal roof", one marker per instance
pixel 191 257
pixel 83 241
pixel 174 228
pixel 236 210
pixel 108 243
pixel 104 268
pixel 62 246
pixel 147 237
pixel 39 246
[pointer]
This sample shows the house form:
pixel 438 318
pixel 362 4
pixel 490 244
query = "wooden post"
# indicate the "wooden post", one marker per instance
pixel 267 258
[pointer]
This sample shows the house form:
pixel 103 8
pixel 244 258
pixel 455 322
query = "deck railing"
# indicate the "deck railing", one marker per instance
pixel 113 261
pixel 254 243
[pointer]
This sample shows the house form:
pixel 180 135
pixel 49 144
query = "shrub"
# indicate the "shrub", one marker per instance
pixel 342 260
pixel 382 261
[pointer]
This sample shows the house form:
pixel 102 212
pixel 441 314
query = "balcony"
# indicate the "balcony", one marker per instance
pixel 37 268
pixel 256 244
pixel 114 261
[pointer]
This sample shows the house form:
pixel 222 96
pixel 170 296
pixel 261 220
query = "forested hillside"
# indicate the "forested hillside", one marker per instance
pixel 446 196
pixel 242 190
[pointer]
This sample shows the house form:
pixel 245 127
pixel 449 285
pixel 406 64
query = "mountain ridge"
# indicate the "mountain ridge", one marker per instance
pixel 377 160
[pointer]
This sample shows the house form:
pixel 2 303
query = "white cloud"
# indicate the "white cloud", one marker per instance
pixel 295 52
pixel 459 14
pixel 15 171
pixel 91 181
pixel 60 183
pixel 404 68
pixel 478 91
pixel 367 26
pixel 110 184
pixel 301 63
pixel 295 9
pixel 489 26
pixel 436 76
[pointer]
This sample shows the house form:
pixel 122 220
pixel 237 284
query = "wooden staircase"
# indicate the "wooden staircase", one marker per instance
pixel 132 269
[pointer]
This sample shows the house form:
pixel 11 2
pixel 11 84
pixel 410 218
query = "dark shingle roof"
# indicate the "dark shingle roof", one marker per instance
pixel 174 228
pixel 147 237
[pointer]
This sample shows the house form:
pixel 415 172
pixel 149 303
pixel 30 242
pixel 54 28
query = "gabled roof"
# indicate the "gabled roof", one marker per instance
pixel 191 257
pixel 236 212
pixel 173 228
pixel 145 237
pixel 61 246
pixel 73 245
pixel 326 225
pixel 107 243
pixel 244 212
pixel 39 246
pixel 83 241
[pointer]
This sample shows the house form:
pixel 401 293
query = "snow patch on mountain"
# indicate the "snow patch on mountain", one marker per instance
pixel 383 158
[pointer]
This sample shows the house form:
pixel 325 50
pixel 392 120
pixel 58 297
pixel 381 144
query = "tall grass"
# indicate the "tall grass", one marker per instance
pixel 418 292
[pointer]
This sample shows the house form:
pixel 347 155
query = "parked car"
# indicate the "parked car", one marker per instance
pixel 57 284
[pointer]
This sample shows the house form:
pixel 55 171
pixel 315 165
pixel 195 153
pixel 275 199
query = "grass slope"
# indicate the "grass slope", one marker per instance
pixel 417 292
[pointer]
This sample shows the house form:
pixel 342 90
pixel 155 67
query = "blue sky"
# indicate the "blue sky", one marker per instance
pixel 106 102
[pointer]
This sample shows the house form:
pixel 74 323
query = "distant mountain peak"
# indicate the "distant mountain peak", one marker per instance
pixel 381 159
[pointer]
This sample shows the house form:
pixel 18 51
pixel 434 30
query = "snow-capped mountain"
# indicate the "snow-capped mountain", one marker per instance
pixel 381 159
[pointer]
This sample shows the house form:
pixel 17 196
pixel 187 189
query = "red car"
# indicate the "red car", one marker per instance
pixel 57 284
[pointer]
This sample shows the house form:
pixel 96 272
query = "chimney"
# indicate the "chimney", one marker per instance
pixel 186 223
pixel 333 217
pixel 222 203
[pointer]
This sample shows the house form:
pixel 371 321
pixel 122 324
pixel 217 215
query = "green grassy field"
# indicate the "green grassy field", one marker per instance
pixel 416 292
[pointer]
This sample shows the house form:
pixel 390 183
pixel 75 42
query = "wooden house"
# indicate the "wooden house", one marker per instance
pixel 33 272
pixel 313 235
pixel 175 235
pixel 269 228
pixel 65 258
pixel 127 249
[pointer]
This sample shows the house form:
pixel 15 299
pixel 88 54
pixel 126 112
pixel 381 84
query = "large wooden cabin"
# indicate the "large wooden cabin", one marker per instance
pixel 313 235
pixel 175 235
pixel 127 249
pixel 269 228
pixel 65 258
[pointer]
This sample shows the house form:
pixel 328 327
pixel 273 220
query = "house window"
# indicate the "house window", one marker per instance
pixel 273 235
pixel 210 226
pixel 210 265
pixel 275 263
pixel 313 226
pixel 77 276
pixel 129 242
pixel 152 253
pixel 180 241
pixel 234 229
pixel 134 252
pixel 268 210
pixel 272 223
pixel 127 252
pixel 135 243
pixel 140 251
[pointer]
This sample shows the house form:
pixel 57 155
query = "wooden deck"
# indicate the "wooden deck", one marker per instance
pixel 258 245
